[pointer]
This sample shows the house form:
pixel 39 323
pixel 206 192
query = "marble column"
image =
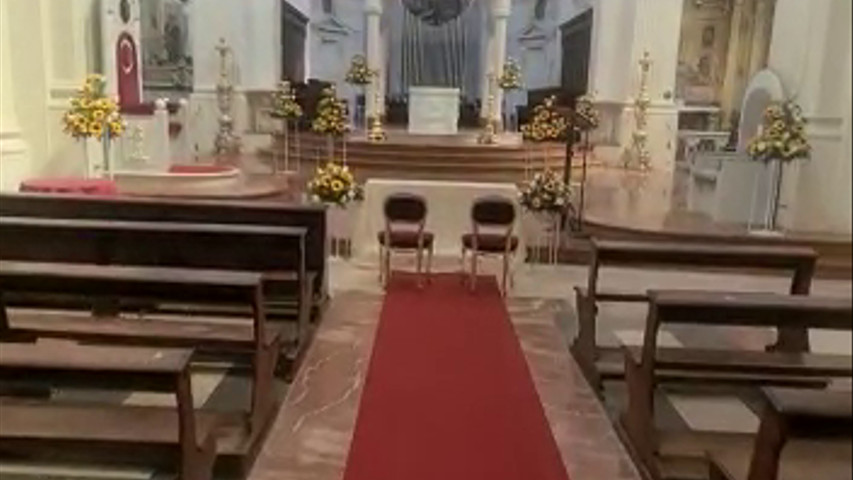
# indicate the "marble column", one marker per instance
pixel 500 14
pixel 761 32
pixel 14 153
pixel 487 53
pixel 373 35
pixel 810 50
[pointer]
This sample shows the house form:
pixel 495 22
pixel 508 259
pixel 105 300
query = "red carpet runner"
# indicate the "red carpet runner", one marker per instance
pixel 448 394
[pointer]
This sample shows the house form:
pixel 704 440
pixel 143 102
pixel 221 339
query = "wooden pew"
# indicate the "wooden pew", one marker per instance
pixel 811 427
pixel 600 363
pixel 35 427
pixel 649 366
pixel 311 217
pixel 278 252
pixel 258 340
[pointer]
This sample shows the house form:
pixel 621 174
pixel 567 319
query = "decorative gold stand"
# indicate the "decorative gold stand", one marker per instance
pixel 376 134
pixel 489 134
pixel 639 157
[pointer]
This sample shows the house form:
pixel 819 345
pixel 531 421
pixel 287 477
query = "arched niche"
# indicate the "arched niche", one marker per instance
pixel 764 88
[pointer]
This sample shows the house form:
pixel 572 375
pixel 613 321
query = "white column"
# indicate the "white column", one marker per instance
pixel 14 154
pixel 373 36
pixel 487 65
pixel 500 13
pixel 811 52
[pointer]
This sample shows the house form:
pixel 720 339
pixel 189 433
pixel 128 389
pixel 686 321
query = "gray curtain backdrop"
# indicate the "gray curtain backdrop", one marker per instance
pixel 445 55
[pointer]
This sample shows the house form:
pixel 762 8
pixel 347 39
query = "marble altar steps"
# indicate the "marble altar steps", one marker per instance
pixel 439 157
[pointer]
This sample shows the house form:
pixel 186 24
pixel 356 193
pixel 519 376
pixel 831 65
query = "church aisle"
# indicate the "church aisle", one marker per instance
pixel 311 437
pixel 448 393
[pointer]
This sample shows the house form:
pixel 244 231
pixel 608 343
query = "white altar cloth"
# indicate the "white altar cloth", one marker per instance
pixel 448 211
pixel 433 110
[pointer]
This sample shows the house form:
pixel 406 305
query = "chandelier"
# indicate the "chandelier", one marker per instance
pixel 436 12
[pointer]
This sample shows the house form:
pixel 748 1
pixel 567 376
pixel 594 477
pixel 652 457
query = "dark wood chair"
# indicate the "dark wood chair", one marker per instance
pixel 492 226
pixel 405 222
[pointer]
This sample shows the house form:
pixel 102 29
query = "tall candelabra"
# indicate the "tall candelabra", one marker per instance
pixel 227 142
pixel 488 135
pixel 639 155
pixel 376 133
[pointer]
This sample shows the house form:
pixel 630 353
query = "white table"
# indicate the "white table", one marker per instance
pixel 449 211
pixel 433 110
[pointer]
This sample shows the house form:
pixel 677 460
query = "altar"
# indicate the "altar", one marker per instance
pixel 433 110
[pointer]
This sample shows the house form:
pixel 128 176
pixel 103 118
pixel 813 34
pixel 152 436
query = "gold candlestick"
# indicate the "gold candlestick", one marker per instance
pixel 488 136
pixel 376 133
pixel 639 156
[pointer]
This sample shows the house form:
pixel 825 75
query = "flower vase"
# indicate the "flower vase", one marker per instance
pixel 339 221
pixel 772 178
pixel 96 153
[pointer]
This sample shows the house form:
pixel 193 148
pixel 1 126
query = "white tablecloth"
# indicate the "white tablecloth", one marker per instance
pixel 433 110
pixel 449 210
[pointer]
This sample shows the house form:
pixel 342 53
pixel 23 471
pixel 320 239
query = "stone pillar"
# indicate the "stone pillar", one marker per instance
pixel 500 13
pixel 733 82
pixel 373 36
pixel 487 64
pixel 761 32
pixel 14 154
pixel 811 52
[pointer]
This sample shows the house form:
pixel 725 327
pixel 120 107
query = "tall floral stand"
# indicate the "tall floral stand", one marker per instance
pixel 769 208
pixel 546 230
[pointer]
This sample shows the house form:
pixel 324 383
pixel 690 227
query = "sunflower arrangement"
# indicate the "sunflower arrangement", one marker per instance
pixel 284 103
pixel 359 73
pixel 510 78
pixel 547 125
pixel 331 117
pixel 547 192
pixel 92 113
pixel 586 110
pixel 782 135
pixel 334 184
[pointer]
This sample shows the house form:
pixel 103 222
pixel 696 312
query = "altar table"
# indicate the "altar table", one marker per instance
pixel 433 111
pixel 448 210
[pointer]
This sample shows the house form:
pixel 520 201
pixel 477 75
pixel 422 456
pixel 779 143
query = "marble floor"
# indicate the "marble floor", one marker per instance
pixel 310 437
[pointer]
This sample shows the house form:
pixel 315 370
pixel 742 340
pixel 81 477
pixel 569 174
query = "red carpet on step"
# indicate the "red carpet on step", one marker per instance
pixel 448 394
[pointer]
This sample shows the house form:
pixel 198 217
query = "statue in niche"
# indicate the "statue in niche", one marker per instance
pixel 539 10
pixel 436 12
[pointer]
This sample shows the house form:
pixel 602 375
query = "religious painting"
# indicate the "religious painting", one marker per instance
pixel 166 49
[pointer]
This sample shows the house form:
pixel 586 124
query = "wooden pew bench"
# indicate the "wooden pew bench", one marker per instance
pixel 599 363
pixel 650 366
pixel 803 434
pixel 35 427
pixel 258 340
pixel 277 252
pixel 311 217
